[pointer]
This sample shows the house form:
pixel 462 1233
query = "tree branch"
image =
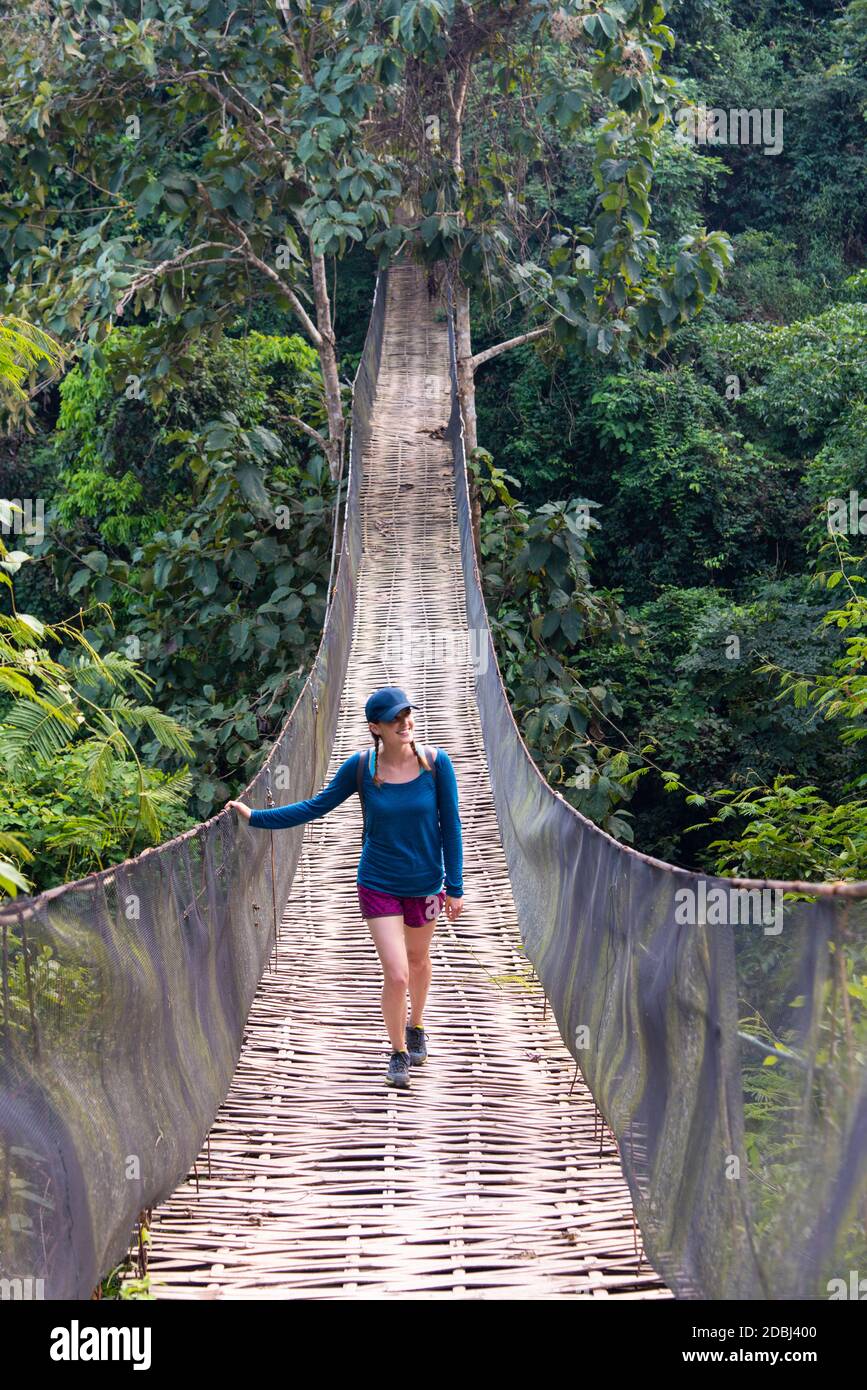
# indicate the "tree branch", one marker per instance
pixel 308 429
pixel 261 140
pixel 173 263
pixel 495 351
pixel 265 269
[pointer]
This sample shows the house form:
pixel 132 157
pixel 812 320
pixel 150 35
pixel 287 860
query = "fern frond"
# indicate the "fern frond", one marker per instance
pixel 156 801
pixel 27 630
pixel 99 759
pixel 171 794
pixel 92 833
pixel 23 346
pixel 13 680
pixel 111 667
pixel 11 844
pixel 167 731
pixel 36 727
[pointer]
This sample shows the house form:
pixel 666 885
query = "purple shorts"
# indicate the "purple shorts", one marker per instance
pixel 416 912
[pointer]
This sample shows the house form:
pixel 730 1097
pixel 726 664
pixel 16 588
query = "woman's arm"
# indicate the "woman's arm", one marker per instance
pixel 341 786
pixel 450 824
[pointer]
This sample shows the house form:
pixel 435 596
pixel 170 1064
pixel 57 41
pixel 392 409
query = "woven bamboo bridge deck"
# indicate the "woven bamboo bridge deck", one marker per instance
pixel 492 1177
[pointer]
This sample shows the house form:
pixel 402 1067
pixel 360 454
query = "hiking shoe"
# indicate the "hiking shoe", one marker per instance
pixel 416 1044
pixel 398 1070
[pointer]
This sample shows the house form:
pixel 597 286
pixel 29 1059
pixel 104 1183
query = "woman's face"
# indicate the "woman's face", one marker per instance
pixel 396 732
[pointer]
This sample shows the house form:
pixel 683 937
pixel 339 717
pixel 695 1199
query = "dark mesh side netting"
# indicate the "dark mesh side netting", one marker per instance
pixel 124 995
pixel 730 1061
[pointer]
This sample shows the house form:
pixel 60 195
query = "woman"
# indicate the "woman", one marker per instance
pixel 412 831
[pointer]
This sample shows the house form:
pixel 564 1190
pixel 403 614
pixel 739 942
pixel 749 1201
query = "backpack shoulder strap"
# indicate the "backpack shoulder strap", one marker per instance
pixel 359 782
pixel 431 754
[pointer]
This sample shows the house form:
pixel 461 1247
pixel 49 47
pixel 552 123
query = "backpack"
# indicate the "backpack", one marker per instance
pixel 359 780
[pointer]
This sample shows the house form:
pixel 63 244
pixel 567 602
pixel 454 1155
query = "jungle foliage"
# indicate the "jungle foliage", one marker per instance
pixel 710 469
pixel 655 542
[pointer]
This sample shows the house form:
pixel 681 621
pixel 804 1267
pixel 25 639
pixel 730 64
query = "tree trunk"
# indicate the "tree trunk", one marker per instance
pixel 467 397
pixel 456 89
pixel 328 359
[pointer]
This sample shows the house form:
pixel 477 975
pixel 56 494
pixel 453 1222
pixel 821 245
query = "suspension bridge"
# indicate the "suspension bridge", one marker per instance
pixel 216 1055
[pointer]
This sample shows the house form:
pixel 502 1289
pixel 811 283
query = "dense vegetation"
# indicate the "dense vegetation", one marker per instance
pixel 734 680
pixel 681 635
pixel 162 518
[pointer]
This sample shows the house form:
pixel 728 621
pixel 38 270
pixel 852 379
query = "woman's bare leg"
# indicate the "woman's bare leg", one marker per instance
pixel 418 941
pixel 388 938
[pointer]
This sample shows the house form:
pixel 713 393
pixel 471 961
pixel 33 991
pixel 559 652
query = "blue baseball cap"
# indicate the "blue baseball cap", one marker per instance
pixel 386 704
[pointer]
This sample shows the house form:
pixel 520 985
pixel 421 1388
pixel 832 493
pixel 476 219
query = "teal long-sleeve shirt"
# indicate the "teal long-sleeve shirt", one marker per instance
pixel 413 828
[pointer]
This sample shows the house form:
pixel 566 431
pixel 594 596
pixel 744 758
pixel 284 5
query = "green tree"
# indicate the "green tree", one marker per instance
pixel 211 153
pixel 544 609
pixel 71 711
pixel 203 521
pixel 791 831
